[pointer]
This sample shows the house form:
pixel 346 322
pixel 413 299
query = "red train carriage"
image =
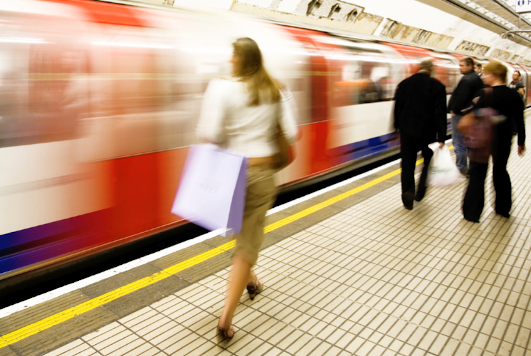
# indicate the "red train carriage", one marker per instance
pixel 99 104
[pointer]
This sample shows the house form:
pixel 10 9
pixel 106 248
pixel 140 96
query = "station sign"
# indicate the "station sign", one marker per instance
pixel 523 6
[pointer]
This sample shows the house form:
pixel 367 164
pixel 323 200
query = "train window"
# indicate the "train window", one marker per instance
pixel 192 74
pixel 365 78
pixel 13 96
pixel 43 90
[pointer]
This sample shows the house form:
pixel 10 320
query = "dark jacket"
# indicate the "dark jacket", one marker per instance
pixel 464 93
pixel 506 102
pixel 420 108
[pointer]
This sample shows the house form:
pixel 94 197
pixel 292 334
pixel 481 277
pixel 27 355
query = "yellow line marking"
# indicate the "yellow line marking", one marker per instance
pixel 67 314
pixel 328 202
pixel 70 313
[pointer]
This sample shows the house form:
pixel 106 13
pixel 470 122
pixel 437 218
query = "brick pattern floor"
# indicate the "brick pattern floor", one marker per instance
pixel 376 279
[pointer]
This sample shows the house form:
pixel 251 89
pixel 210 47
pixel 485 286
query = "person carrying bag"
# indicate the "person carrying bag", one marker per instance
pixel 250 116
pixel 488 126
pixel 477 127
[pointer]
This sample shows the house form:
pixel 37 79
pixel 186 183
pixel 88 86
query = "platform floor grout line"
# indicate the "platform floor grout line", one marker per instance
pixel 372 279
pixel 58 318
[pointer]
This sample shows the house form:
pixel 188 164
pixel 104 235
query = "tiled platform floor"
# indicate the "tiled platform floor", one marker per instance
pixel 375 279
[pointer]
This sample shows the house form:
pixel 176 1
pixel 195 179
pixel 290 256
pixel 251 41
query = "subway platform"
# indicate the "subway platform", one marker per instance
pixel 348 271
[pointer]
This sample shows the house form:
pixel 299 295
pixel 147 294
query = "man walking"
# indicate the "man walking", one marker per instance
pixel 420 117
pixel 461 99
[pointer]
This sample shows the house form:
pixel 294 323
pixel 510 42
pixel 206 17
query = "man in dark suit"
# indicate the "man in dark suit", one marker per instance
pixel 461 100
pixel 420 117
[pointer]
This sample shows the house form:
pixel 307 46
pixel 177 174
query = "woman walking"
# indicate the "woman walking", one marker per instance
pixel 507 103
pixel 243 115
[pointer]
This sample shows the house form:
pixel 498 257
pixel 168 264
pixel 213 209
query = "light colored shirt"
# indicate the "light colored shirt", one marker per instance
pixel 227 120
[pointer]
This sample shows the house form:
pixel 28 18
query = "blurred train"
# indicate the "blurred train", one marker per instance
pixel 99 103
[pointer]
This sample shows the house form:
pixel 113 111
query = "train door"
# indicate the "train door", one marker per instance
pixel 121 130
pixel 447 72
pixel 315 135
pixel 527 83
pixel 524 77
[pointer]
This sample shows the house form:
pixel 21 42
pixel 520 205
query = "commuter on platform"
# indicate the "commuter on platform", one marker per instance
pixel 478 68
pixel 517 84
pixel 420 118
pixel 461 99
pixel 509 105
pixel 243 114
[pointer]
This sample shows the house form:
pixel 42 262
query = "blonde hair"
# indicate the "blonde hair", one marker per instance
pixel 251 71
pixel 496 69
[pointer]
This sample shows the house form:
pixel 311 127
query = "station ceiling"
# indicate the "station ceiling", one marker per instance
pixel 502 12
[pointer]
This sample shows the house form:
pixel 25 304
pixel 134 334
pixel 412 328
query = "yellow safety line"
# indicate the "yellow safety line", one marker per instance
pixel 67 314
pixel 328 202
pixel 110 296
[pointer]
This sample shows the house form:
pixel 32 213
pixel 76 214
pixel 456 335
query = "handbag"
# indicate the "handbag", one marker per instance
pixel 464 125
pixel 284 156
pixel 211 192
pixel 285 153
pixel 477 127
pixel 474 125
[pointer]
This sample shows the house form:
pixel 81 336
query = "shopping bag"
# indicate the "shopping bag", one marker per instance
pixel 212 189
pixel 442 170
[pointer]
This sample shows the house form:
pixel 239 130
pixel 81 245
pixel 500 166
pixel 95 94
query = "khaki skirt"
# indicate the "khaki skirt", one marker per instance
pixel 260 197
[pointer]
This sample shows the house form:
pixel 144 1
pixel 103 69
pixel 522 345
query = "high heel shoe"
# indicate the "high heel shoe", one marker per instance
pixel 225 333
pixel 254 288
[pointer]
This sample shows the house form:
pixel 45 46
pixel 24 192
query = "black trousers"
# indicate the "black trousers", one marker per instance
pixel 474 199
pixel 410 146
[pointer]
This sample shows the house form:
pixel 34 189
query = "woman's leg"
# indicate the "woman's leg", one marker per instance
pixel 260 197
pixel 501 179
pixel 475 193
pixel 240 272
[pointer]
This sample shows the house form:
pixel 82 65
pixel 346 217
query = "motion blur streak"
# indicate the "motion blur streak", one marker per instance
pixel 99 104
